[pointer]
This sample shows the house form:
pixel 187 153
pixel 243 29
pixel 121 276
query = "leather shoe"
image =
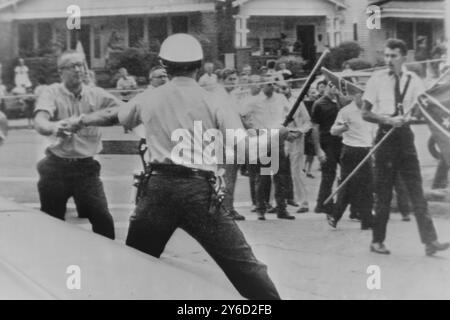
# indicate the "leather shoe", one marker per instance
pixel 236 216
pixel 379 248
pixel 272 210
pixel 406 218
pixel 291 202
pixel 435 246
pixel 331 221
pixel 260 215
pixel 303 210
pixel 283 214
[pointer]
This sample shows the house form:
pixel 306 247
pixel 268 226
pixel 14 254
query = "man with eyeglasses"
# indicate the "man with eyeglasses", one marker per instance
pixel 327 147
pixel 389 97
pixel 69 169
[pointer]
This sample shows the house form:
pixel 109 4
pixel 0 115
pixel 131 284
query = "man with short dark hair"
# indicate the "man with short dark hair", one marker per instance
pixel 327 147
pixel 389 97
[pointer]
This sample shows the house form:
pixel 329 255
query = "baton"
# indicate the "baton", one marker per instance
pixel 374 149
pixel 305 88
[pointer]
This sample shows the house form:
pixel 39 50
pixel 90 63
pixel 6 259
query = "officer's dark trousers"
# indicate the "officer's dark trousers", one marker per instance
pixel 398 155
pixel 230 177
pixel 172 202
pixel 61 180
pixel 332 147
pixel 280 180
pixel 289 183
pixel 359 191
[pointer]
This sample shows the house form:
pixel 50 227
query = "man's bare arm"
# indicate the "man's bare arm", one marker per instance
pixel 369 116
pixel 43 125
pixel 316 142
pixel 102 118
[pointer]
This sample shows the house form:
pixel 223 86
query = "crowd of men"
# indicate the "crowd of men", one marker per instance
pixel 327 124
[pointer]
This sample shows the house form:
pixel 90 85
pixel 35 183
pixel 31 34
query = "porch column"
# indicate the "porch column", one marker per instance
pixel 241 31
pixel 330 31
pixel 447 28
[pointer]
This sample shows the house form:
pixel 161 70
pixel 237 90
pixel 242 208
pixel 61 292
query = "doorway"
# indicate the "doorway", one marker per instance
pixel 84 36
pixel 306 35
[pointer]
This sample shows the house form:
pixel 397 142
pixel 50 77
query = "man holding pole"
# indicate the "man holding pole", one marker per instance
pixel 388 100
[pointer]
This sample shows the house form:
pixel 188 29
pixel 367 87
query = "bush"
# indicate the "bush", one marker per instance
pixel 359 64
pixel 345 51
pixel 138 61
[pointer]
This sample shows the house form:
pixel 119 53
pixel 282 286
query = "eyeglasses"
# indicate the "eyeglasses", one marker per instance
pixel 160 77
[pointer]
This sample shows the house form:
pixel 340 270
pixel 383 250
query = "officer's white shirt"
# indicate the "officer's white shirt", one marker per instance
pixel 380 91
pixel 359 133
pixel 172 109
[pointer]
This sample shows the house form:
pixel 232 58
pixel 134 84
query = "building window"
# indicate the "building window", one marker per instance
pixel 180 24
pixel 135 31
pixel 157 32
pixel 405 32
pixel 44 35
pixel 26 38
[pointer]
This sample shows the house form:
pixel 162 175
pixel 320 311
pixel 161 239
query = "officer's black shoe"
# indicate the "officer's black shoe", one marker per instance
pixel 355 216
pixel 254 209
pixel 435 246
pixel 303 210
pixel 291 202
pixel 283 214
pixel 378 247
pixel 331 221
pixel 236 216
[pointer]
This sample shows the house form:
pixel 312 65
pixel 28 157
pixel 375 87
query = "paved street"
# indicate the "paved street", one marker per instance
pixel 306 259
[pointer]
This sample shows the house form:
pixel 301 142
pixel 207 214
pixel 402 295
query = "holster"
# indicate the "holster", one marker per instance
pixel 218 187
pixel 140 182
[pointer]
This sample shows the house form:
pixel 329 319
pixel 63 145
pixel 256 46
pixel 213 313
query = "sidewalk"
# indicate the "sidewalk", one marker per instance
pixel 18 124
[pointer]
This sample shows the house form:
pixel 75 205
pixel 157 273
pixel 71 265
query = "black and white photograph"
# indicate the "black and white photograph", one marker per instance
pixel 205 151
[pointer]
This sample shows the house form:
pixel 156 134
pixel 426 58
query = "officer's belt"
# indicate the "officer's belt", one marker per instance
pixel 173 170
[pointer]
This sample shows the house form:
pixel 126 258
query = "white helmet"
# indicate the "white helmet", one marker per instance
pixel 181 48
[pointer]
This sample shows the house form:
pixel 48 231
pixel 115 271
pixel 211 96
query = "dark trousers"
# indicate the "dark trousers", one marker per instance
pixel 280 179
pixel 61 180
pixel 359 191
pixel 332 148
pixel 440 180
pixel 397 155
pixel 402 196
pixel 230 177
pixel 289 183
pixel 252 174
pixel 171 202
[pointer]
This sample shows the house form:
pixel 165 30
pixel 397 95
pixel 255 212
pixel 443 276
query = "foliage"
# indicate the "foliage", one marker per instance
pixel 345 51
pixel 359 64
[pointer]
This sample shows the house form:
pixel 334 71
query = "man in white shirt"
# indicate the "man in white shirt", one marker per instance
pixel 125 82
pixel 267 111
pixel 357 141
pixel 208 80
pixel 390 95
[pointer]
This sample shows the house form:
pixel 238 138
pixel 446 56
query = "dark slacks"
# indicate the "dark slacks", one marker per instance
pixel 332 147
pixel 359 191
pixel 280 179
pixel 252 174
pixel 397 155
pixel 440 180
pixel 230 177
pixel 172 202
pixel 61 180
pixel 402 195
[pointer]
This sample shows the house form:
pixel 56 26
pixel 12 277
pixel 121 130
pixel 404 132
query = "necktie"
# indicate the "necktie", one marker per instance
pixel 398 96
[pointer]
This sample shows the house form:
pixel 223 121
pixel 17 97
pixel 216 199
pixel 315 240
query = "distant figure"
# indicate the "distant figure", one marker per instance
pixel 271 67
pixel 21 78
pixel 208 80
pixel 157 77
pixel 126 82
pixel 285 72
pixel 90 78
pixel 247 69
pixel 422 54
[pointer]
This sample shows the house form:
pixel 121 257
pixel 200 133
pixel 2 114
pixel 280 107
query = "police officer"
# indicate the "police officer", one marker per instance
pixel 180 193
pixel 69 169
pixel 390 95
